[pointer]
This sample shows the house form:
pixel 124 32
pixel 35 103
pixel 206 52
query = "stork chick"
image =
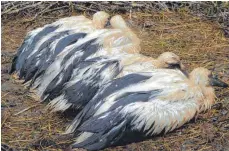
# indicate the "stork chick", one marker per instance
pixel 143 103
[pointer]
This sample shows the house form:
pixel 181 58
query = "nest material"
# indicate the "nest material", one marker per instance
pixel 213 10
pixel 26 126
pixel 217 11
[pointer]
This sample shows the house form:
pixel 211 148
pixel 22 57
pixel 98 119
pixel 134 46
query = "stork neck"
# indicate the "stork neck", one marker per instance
pixel 132 36
pixel 209 98
pixel 98 24
pixel 158 64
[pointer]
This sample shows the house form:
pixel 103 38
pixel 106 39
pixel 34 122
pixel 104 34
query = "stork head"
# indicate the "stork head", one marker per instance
pixel 171 61
pixel 100 19
pixel 118 22
pixel 203 76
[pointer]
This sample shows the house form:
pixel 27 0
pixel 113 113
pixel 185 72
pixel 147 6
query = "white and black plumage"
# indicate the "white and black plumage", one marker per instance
pixel 66 97
pixel 72 95
pixel 49 56
pixel 148 103
pixel 61 70
pixel 36 45
pixel 102 38
pixel 88 26
pixel 42 58
pixel 28 45
pixel 62 97
pixel 88 78
pixel 99 43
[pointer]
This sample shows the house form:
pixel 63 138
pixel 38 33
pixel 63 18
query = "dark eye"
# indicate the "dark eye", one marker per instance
pixel 174 66
pixel 213 76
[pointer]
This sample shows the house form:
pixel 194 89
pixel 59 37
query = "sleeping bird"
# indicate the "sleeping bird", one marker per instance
pixel 144 103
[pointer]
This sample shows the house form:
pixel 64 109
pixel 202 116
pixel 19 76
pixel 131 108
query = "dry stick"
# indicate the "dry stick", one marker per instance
pixel 8 10
pixel 15 131
pixel 41 13
pixel 47 8
pixel 13 5
pixel 5 95
pixel 4 119
pixel 18 10
pixel 26 109
pixel 83 7
pixel 55 9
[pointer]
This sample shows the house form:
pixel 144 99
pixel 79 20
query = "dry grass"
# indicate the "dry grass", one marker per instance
pixel 197 42
pixel 28 124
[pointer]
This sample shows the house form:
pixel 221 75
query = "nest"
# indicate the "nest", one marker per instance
pixel 11 10
pixel 199 42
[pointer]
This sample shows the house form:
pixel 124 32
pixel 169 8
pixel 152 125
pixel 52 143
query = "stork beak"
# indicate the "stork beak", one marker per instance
pixel 214 81
pixel 180 67
pixel 183 70
pixel 108 23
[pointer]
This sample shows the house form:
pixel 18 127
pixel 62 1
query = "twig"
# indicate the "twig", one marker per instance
pixel 5 117
pixel 26 109
pixel 26 7
pixel 59 8
pixel 5 95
